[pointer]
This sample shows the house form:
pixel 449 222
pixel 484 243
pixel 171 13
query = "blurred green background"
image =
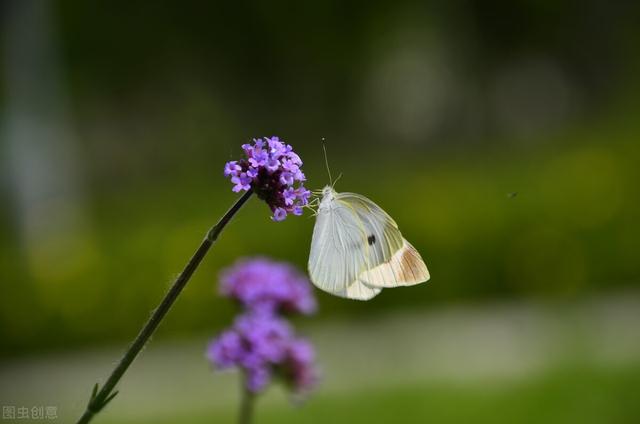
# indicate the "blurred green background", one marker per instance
pixel 501 136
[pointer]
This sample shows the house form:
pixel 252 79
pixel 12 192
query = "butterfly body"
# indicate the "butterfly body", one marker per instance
pixel 357 249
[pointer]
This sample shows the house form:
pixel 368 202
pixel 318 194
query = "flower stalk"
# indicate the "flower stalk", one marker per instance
pixel 100 398
pixel 246 406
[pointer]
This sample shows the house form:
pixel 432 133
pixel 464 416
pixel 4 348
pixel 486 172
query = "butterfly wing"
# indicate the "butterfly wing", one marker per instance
pixel 391 260
pixel 337 256
pixel 357 249
pixel 405 268
pixel 359 291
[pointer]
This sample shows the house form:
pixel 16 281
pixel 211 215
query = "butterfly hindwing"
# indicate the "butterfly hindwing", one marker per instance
pixel 405 268
pixel 360 291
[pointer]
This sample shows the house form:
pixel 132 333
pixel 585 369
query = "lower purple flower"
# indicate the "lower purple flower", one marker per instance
pixel 261 283
pixel 263 346
pixel 226 350
pixel 261 342
pixel 301 364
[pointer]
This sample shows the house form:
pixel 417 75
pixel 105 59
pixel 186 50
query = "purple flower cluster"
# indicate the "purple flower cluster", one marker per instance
pixel 261 342
pixel 264 346
pixel 272 169
pixel 265 285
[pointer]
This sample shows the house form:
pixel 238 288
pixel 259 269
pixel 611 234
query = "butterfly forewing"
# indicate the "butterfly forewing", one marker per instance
pixel 379 232
pixel 383 243
pixel 336 256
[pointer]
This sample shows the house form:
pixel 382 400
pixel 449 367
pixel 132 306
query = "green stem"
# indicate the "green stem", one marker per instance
pixel 246 406
pixel 100 399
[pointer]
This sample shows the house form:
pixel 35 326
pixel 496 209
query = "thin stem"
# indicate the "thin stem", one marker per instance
pixel 246 406
pixel 100 399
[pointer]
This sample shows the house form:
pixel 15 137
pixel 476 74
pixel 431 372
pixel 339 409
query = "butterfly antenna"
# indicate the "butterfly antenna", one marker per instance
pixel 337 179
pixel 326 162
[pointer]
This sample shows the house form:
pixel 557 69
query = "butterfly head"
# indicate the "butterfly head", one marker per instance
pixel 328 192
pixel 319 197
pixel 327 198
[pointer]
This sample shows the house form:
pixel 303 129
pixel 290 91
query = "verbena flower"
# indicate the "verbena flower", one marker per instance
pixel 264 346
pixel 266 285
pixel 272 169
pixel 303 374
pixel 261 342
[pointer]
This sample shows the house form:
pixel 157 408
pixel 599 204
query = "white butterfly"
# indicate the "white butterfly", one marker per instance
pixel 357 249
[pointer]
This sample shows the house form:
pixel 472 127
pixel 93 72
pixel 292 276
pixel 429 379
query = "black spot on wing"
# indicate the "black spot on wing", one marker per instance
pixel 371 239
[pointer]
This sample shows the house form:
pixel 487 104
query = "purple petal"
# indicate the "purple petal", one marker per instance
pixel 279 214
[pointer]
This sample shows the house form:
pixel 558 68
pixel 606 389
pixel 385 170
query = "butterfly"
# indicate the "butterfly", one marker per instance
pixel 357 248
